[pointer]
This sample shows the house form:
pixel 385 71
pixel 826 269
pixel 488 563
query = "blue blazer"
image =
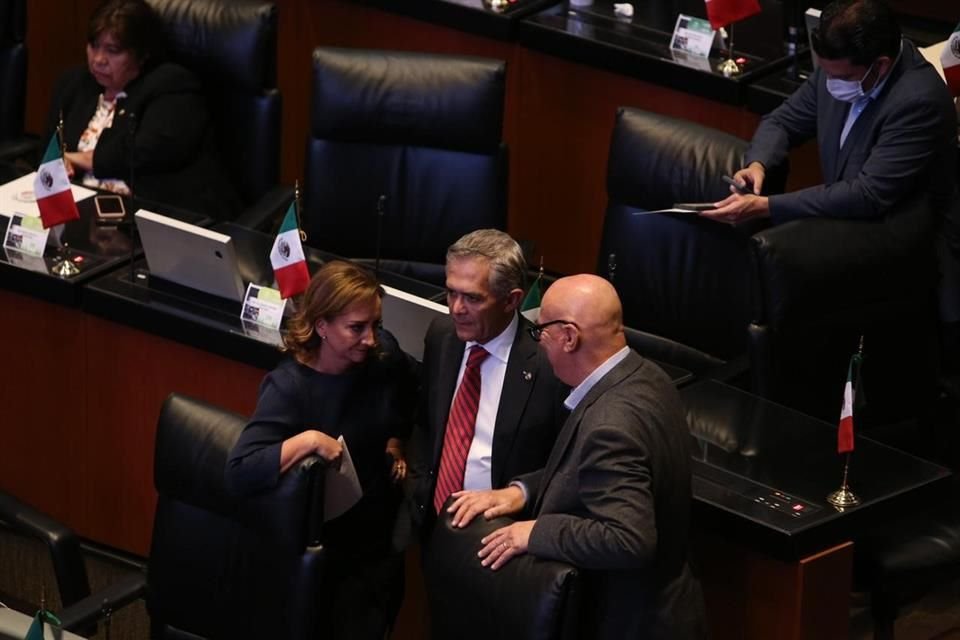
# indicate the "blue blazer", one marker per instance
pixel 903 143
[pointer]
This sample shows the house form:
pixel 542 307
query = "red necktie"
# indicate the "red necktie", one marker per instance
pixel 460 427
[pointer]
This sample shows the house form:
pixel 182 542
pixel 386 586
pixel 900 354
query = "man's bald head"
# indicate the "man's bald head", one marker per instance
pixel 592 328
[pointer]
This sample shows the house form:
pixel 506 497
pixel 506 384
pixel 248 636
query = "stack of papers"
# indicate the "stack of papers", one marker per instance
pixel 17 196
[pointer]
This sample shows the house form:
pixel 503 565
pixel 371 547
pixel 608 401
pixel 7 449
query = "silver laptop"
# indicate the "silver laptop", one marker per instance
pixel 14 626
pixel 407 317
pixel 190 255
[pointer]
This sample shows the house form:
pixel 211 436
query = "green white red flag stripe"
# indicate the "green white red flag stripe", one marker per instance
pixel 845 429
pixel 286 257
pixel 950 60
pixel 51 188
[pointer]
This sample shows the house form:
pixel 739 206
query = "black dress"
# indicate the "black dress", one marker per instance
pixel 162 131
pixel 363 577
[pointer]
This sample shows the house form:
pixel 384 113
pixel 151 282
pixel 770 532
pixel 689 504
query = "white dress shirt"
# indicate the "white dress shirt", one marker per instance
pixel 492 372
pixel 857 107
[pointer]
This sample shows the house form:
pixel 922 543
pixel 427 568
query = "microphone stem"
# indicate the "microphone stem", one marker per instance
pixel 381 205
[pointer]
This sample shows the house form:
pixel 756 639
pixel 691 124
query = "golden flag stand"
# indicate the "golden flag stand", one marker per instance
pixel 729 67
pixel 65 267
pixel 844 498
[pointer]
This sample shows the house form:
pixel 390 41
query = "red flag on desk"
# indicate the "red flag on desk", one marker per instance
pixel 720 13
pixel 845 430
pixel 51 188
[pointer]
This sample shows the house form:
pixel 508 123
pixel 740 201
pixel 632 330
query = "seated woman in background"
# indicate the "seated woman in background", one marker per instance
pixel 128 115
pixel 345 378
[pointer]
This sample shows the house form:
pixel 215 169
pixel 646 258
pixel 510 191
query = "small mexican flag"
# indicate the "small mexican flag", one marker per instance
pixel 845 430
pixel 530 307
pixel 51 187
pixel 289 265
pixel 950 59
pixel 43 617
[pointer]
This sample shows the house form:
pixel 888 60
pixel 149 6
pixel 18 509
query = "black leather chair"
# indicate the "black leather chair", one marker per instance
pixel 668 351
pixel 795 298
pixel 218 567
pixel 679 276
pixel 13 86
pixel 232 46
pixel 903 560
pixel 424 131
pixel 528 599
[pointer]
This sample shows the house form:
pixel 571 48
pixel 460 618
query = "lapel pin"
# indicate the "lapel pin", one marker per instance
pixel 527 376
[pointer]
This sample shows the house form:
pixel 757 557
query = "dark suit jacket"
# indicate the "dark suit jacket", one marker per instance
pixel 903 143
pixel 614 500
pixel 528 419
pixel 161 128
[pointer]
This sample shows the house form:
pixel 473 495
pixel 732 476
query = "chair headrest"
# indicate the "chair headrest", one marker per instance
pixel 533 598
pixel 429 100
pixel 656 160
pixel 193 441
pixel 13 22
pixel 233 42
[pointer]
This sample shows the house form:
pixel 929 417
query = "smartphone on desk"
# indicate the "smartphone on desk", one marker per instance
pixel 109 208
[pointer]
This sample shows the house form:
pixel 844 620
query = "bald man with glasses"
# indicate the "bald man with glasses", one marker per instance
pixel 614 496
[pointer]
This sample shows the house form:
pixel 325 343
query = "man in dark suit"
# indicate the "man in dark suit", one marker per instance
pixel 886 129
pixel 882 116
pixel 519 410
pixel 614 495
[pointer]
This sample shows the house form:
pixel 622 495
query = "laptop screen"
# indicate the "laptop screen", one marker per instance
pixel 190 255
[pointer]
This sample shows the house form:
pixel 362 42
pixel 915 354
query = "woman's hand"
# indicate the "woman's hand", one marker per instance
pixel 74 160
pixel 398 470
pixel 306 443
pixel 326 447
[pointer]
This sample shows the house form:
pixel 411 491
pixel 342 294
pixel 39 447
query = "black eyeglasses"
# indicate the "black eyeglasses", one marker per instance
pixel 537 329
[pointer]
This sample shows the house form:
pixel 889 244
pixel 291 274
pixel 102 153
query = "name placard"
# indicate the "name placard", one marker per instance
pixel 26 235
pixel 263 306
pixel 693 36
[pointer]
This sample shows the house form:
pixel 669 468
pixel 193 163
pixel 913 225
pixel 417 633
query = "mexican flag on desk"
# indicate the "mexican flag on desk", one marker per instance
pixel 530 307
pixel 845 429
pixel 51 187
pixel 720 13
pixel 950 60
pixel 286 257
pixel 43 617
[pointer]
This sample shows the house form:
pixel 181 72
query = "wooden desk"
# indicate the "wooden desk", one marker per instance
pixel 776 557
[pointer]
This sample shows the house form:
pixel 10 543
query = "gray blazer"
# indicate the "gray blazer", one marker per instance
pixel 614 500
pixel 903 143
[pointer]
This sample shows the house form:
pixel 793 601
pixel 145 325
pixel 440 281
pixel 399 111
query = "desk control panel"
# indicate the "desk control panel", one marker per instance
pixel 779 501
pixel 750 496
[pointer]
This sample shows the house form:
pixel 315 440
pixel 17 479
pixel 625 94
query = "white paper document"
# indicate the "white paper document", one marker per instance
pixel 17 196
pixel 341 488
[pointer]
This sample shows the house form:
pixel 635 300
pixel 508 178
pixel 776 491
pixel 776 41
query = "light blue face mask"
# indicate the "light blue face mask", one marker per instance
pixel 848 90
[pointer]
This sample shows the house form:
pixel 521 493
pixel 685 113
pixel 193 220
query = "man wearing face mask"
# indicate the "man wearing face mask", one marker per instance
pixel 882 117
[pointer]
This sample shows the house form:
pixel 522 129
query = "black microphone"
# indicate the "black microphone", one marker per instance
pixel 131 121
pixel 612 267
pixel 381 207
